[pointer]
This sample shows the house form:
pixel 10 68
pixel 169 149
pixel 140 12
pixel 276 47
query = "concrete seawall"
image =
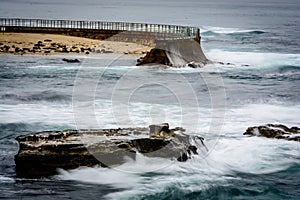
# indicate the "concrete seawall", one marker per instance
pixel 177 53
pixel 177 45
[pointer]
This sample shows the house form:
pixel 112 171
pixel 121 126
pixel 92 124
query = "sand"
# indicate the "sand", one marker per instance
pixel 35 43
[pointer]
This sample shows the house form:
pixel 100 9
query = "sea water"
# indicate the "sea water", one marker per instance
pixel 254 81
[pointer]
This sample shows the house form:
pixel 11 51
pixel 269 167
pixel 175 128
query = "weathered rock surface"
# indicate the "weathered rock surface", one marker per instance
pixel 42 153
pixel 278 131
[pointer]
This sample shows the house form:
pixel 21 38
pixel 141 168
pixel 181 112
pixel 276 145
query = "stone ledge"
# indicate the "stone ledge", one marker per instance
pixel 42 153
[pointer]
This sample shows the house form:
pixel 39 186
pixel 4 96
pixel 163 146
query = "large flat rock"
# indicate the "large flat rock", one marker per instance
pixel 40 154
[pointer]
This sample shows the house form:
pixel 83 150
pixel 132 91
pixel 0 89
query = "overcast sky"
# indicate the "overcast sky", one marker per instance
pixel 225 13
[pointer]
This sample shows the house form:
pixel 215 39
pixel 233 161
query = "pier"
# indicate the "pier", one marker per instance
pixel 178 42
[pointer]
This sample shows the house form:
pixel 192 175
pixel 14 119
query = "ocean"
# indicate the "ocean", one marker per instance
pixel 254 81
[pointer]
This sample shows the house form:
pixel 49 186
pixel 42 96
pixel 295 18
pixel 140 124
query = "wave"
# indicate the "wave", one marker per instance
pixel 11 130
pixel 212 31
pixel 232 160
pixel 254 32
pixel 4 179
pixel 280 72
pixel 49 96
pixel 14 127
pixel 253 59
pixel 21 75
pixel 287 68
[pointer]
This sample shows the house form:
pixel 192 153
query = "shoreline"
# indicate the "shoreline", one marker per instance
pixel 53 44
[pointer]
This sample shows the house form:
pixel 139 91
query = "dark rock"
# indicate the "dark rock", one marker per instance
pixel 26 49
pixel 39 45
pixel 42 153
pixel 64 50
pixel 71 60
pixel 157 56
pixel 160 130
pixel 183 158
pixel 87 52
pixel 278 131
pixel 6 48
pixel 47 40
pixel 194 65
pixel 17 49
pixel 107 51
pixel 49 48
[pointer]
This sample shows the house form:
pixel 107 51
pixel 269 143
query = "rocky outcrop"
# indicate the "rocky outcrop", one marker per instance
pixel 155 56
pixel 176 53
pixel 42 153
pixel 278 131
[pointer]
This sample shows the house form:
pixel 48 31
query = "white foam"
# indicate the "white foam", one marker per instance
pixel 256 59
pixel 4 179
pixel 224 30
pixel 253 155
pixel 103 176
pixel 230 156
pixel 32 113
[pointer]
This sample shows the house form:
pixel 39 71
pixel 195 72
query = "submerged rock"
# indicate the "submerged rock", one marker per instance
pixel 71 60
pixel 278 131
pixel 42 153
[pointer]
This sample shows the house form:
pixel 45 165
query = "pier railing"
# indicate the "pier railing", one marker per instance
pixel 161 29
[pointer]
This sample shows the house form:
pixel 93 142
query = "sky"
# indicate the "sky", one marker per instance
pixel 224 13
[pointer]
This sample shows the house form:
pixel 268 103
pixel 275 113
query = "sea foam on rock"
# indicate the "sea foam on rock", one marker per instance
pixel 42 153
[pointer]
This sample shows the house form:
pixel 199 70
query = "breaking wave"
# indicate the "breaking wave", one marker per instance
pixel 213 31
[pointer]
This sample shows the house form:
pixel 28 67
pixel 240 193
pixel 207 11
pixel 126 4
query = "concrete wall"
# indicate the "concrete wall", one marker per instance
pixel 189 50
pixel 140 37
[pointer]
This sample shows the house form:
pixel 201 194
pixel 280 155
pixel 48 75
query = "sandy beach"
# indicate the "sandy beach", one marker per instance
pixel 35 43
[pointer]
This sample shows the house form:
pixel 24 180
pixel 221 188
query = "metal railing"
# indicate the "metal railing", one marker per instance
pixel 179 31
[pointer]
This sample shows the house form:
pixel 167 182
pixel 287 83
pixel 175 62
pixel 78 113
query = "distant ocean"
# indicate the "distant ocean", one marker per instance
pixel 257 79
